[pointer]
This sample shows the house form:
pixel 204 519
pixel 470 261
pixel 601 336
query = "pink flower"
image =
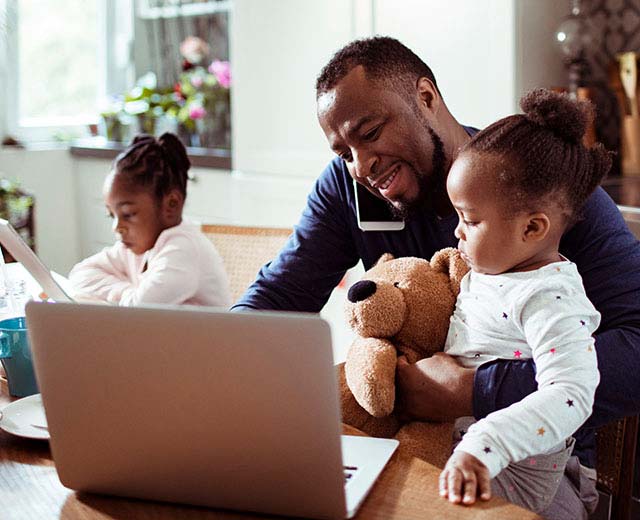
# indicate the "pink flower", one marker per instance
pixel 194 49
pixel 197 112
pixel 196 81
pixel 222 71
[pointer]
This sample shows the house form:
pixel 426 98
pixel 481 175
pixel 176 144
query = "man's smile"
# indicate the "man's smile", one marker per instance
pixel 384 181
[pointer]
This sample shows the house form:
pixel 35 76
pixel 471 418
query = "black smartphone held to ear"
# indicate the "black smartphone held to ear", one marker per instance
pixel 373 213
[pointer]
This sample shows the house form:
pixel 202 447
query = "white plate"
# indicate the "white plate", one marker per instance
pixel 25 418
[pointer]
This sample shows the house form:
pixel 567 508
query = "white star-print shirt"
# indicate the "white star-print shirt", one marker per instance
pixel 543 315
pixel 183 267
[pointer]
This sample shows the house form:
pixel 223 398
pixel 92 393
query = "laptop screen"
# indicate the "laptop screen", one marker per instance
pixel 18 248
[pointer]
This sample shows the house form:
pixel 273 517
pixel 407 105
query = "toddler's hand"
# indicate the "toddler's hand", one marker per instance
pixel 464 478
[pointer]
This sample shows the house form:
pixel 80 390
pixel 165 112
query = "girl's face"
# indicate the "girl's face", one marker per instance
pixel 137 215
pixel 491 240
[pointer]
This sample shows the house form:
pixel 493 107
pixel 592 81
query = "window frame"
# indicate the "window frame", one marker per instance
pixel 115 41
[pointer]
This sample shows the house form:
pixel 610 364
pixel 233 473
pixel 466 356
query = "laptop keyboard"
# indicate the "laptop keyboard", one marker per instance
pixel 349 472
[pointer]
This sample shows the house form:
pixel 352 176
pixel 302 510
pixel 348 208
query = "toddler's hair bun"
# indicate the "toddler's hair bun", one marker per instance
pixel 565 117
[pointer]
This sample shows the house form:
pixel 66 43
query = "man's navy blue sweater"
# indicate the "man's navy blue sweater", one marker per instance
pixel 327 241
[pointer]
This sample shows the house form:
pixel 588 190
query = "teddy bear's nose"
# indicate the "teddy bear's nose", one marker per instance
pixel 361 290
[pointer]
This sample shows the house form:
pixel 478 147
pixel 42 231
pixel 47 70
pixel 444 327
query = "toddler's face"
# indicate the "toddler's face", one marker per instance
pixel 137 219
pixel 490 239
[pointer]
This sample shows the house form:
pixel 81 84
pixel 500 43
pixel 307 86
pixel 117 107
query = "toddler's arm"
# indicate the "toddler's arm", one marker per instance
pixel 608 258
pixel 558 325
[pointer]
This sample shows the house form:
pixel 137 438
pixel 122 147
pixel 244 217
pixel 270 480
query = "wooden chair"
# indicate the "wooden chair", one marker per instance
pixel 615 464
pixel 632 218
pixel 244 250
pixel 617 441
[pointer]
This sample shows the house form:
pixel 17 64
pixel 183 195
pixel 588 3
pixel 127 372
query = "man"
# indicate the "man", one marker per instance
pixel 382 113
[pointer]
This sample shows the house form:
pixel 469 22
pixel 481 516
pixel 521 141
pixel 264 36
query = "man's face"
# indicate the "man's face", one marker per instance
pixel 386 141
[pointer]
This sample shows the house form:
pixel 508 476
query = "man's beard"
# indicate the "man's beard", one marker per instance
pixel 431 187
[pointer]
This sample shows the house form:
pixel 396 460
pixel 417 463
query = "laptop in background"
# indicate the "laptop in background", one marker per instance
pixel 18 248
pixel 211 408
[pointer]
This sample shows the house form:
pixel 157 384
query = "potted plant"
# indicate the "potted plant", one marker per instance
pixel 16 206
pixel 204 92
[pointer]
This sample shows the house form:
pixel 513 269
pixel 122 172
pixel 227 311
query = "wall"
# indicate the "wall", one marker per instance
pixel 4 65
pixel 277 48
pixel 484 55
pixel 48 175
pixel 538 58
pixel 456 38
pixel 213 197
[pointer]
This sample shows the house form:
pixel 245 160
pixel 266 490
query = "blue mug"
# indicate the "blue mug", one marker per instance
pixel 15 355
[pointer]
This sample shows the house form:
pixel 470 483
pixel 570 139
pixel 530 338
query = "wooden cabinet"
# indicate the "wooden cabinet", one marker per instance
pixel 47 174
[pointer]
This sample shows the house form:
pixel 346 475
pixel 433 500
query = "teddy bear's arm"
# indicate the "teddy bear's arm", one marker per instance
pixel 371 371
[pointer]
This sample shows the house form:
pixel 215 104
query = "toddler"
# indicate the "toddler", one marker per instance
pixel 159 258
pixel 517 186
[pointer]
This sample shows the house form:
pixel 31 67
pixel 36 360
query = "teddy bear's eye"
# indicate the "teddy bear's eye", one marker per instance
pixel 396 284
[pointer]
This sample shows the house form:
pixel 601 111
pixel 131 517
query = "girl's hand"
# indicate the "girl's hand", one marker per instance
pixel 464 478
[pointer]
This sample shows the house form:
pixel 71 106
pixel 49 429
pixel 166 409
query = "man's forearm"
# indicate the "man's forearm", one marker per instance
pixel 501 383
pixel 435 388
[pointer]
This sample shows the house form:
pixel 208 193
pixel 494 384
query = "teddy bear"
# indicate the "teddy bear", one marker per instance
pixel 401 306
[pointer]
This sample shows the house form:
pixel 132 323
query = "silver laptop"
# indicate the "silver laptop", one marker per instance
pixel 18 248
pixel 219 409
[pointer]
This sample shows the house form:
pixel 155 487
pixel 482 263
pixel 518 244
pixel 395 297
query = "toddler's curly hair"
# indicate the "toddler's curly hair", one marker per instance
pixel 543 155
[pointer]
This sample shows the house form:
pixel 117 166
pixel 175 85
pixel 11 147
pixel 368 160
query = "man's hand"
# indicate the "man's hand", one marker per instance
pixel 435 388
pixel 464 478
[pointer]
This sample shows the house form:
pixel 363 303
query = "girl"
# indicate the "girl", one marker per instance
pixel 159 258
pixel 517 186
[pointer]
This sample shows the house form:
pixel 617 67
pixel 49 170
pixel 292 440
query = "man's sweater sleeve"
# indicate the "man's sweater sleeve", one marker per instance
pixel 608 259
pixel 315 257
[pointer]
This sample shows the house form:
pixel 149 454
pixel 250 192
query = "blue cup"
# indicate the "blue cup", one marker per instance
pixel 15 355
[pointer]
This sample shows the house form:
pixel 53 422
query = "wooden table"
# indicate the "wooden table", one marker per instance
pixel 30 489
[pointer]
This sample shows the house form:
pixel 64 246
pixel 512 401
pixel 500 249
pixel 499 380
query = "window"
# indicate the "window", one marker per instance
pixel 185 45
pixel 66 62
pixel 59 57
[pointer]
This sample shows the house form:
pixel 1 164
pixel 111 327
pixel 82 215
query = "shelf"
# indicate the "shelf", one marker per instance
pixel 100 148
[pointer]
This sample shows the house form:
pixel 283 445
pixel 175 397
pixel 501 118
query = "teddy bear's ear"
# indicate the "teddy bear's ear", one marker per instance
pixel 450 262
pixel 384 258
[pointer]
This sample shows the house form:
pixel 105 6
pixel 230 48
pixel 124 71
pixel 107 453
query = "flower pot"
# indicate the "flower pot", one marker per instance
pixel 111 127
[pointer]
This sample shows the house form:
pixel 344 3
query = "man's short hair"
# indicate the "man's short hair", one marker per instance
pixel 384 59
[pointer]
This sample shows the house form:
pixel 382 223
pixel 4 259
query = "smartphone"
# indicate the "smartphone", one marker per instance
pixel 373 213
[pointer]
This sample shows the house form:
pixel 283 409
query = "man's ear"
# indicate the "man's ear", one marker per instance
pixel 536 227
pixel 428 95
